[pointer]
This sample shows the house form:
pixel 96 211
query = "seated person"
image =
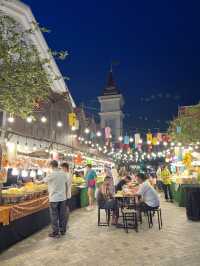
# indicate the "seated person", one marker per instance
pixel 122 182
pixel 105 198
pixel 149 196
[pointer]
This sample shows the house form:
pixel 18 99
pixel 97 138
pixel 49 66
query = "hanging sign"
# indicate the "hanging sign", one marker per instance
pixel 72 119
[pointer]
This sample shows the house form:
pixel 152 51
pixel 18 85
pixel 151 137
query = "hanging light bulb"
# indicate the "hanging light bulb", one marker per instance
pixel 87 131
pixel 59 124
pixel 11 119
pixel 15 172
pixel 120 138
pixel 43 119
pixel 33 173
pixel 39 172
pixel 131 140
pixel 29 119
pixel 24 173
pixel 99 134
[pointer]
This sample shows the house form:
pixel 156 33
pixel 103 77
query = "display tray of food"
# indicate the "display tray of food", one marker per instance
pixel 29 191
pixel 181 180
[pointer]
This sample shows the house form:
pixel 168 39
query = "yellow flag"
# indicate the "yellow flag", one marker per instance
pixel 155 141
pixel 149 137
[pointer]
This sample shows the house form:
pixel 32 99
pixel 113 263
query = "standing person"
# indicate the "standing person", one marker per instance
pixel 115 175
pixel 166 180
pixel 57 180
pixel 159 182
pixel 65 168
pixel 91 183
pixel 108 172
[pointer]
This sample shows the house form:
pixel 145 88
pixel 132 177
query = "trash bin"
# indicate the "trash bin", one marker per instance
pixel 193 202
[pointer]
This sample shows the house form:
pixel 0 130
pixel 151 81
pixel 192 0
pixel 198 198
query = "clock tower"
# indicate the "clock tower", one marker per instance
pixel 111 103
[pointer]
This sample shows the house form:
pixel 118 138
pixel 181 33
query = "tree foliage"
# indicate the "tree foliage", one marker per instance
pixel 25 78
pixel 186 127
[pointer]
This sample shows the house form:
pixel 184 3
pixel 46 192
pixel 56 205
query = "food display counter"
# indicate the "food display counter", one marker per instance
pixel 181 180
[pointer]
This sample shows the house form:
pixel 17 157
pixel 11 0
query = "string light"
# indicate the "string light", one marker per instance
pixel 120 138
pixel 99 134
pixel 87 131
pixel 11 119
pixel 43 119
pixel 29 119
pixel 59 124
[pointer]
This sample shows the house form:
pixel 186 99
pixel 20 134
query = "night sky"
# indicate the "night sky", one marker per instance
pixel 157 44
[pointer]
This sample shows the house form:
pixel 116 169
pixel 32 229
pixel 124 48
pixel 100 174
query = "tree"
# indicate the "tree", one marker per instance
pixel 25 78
pixel 186 127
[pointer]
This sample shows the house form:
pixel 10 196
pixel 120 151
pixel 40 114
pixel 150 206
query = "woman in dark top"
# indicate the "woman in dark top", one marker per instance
pixel 105 198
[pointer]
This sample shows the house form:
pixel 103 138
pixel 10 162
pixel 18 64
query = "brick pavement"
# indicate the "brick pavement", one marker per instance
pixel 85 244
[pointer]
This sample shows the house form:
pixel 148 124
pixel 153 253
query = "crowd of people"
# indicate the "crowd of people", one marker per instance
pixel 59 182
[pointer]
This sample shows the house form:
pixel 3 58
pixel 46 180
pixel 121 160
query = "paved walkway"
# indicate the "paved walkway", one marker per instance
pixel 86 244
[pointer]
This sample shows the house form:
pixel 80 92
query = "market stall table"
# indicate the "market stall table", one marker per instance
pixel 127 203
pixel 193 202
pixel 179 192
pixel 18 221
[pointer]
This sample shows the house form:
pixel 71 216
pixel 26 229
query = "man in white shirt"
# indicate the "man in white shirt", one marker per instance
pixel 150 199
pixel 65 168
pixel 56 181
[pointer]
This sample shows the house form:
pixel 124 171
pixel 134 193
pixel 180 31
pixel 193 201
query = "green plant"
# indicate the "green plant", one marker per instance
pixel 25 78
pixel 188 123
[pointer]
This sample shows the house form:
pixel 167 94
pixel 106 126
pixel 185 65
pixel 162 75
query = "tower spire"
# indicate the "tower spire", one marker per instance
pixel 111 88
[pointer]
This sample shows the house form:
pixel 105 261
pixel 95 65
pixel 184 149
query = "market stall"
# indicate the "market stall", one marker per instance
pixel 186 173
pixel 24 205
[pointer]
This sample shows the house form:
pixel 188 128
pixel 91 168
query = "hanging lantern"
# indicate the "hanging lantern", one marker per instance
pixel 149 138
pixel 107 132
